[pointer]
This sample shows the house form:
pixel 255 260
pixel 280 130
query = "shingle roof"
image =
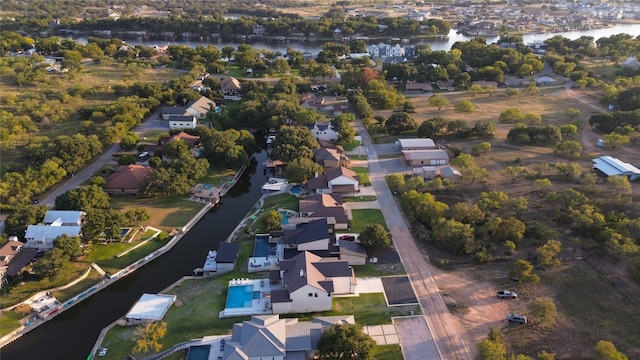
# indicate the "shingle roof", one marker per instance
pixel 318 182
pixel 312 203
pixel 341 171
pixel 227 252
pixel 352 248
pixel 9 250
pixel 300 272
pixel 305 233
pixel 230 83
pixel 203 105
pixel 128 177
pixel 22 258
pixel 345 189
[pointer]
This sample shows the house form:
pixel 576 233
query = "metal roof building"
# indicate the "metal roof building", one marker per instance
pixel 614 167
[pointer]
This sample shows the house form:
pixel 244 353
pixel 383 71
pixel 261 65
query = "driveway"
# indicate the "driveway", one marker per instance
pixel 436 335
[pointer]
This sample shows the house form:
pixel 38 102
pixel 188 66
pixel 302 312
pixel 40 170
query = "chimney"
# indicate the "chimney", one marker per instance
pixel 301 272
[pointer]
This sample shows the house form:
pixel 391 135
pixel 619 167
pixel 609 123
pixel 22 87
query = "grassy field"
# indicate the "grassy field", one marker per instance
pixel 389 352
pixel 378 270
pixel 363 172
pixel 166 213
pixel 285 201
pixel 365 217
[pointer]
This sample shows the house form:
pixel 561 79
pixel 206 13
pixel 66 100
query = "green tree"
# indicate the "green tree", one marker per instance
pixel 395 182
pixel 22 216
pixel 70 245
pixel 511 115
pixel 400 122
pixel 492 200
pixel 432 127
pixel 572 113
pixel 546 254
pixel 83 198
pixel 481 148
pixel 568 129
pixel 148 335
pixel 271 219
pixel 454 236
pixel 465 106
pixel 438 101
pixel 102 223
pixel 346 341
pixel 302 169
pixel 544 355
pixel 605 350
pixel 514 173
pixel 543 185
pixel 137 216
pixel 375 237
pixel 51 265
pixel 522 271
pixel 568 149
pixel 615 139
pixel 570 171
pixel 544 312
pixel 484 128
pixel 129 140
pixel 293 142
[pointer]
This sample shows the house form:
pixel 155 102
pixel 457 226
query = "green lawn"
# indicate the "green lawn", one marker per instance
pixel 358 157
pixel 285 201
pixel 369 309
pixel 105 255
pixel 361 198
pixel 378 270
pixel 10 320
pixel 389 352
pixel 363 172
pixel 364 217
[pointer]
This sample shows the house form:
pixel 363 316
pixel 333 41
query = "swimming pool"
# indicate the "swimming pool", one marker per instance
pixel 285 218
pixel 241 296
pixel 124 231
pixel 198 352
pixel 263 248
pixel 297 189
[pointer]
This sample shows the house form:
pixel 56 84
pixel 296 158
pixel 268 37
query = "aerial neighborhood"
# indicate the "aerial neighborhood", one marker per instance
pixel 287 180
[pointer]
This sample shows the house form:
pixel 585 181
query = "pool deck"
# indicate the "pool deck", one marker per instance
pixel 261 306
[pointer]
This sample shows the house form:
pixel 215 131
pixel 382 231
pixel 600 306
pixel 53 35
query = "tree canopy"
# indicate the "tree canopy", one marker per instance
pixel 346 341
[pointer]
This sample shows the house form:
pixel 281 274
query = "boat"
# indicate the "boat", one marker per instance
pixel 274 185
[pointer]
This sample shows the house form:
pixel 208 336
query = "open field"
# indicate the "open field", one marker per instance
pixel 166 213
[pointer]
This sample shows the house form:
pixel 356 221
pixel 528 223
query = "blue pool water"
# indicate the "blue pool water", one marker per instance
pixel 198 353
pixel 239 296
pixel 285 218
pixel 297 189
pixel 124 231
pixel 262 247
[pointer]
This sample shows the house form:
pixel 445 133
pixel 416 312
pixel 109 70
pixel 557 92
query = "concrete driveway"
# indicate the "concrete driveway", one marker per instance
pixel 426 337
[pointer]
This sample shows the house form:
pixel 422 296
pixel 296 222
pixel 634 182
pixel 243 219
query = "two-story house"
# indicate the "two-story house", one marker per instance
pixel 325 131
pixel 331 159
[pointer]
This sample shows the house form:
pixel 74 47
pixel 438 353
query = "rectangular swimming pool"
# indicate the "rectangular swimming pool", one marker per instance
pixel 241 296
pixel 198 352
pixel 263 248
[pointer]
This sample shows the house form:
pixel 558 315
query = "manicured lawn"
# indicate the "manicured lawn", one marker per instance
pixel 360 198
pixel 364 217
pixel 377 270
pixel 218 177
pixel 350 145
pixel 65 294
pixel 166 213
pixel 114 264
pixel 389 352
pixel 369 309
pixel 285 201
pixel 10 320
pixel 358 157
pixel 363 172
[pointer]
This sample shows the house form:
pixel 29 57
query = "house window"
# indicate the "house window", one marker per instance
pixel 310 294
pixel 316 294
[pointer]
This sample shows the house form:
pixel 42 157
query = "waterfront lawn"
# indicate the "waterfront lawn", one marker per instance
pixel 105 255
pixel 363 172
pixel 360 198
pixel 10 320
pixel 389 352
pixel 285 201
pixel 218 177
pixel 365 217
pixel 30 286
pixel 65 294
pixel 166 213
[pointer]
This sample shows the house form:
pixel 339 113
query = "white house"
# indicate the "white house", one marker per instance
pixel 41 236
pixel 196 108
pixel 183 122
pixel 614 167
pixel 374 51
pixel 396 51
pixel 269 337
pixel 337 181
pixel 309 282
pixel 64 217
pixel 326 131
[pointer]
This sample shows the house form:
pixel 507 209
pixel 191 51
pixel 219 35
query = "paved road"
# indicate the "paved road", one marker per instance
pixel 428 337
pixel 90 170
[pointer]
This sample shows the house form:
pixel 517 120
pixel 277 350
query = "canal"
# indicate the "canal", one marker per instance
pixel 72 334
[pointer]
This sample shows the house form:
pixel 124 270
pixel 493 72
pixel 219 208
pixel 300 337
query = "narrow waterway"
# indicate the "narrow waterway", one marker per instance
pixel 72 334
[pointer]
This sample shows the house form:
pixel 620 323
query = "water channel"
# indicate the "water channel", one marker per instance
pixel 72 334
pixel 444 44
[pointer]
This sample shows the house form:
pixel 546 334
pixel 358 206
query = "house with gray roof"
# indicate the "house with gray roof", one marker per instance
pixel 309 282
pixel 353 252
pixel 611 166
pixel 269 337
pixel 64 217
pixel 337 181
pixel 327 206
pixel 41 237
pixel 313 235
pixel 324 131
pixel 221 260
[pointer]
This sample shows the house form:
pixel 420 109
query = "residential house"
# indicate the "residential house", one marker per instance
pixel 327 206
pixel 269 337
pixel 222 260
pixel 12 262
pixel 331 159
pixel 631 62
pixel 324 131
pixel 7 253
pixel 127 179
pixel 352 252
pixel 397 51
pixel 310 100
pixel 182 122
pixel 194 108
pixel 426 157
pixel 64 217
pixel 610 166
pixel 191 140
pixel 41 237
pixel 337 181
pixel 259 30
pixel 230 86
pixel 416 144
pixel 395 60
pixel 309 282
pixel 449 173
pixel 424 87
pixel 374 51
pixel 310 236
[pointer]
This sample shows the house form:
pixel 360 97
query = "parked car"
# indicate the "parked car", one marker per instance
pixel 347 237
pixel 515 318
pixel 507 294
pixel 103 351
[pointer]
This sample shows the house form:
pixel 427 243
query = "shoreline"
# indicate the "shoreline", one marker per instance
pixel 106 282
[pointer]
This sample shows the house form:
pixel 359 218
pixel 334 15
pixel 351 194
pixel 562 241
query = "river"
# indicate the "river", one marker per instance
pixel 315 47
pixel 72 334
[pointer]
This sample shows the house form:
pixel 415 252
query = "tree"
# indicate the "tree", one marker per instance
pixel 484 128
pixel 492 200
pixel 271 219
pixel 605 350
pixel 544 312
pixel 547 253
pixel 615 139
pixel 70 246
pixel 474 89
pixel 462 81
pixel 293 142
pixel 137 216
pixel 620 184
pixel 522 271
pixel 454 236
pixel 105 223
pixel 83 198
pixel 129 140
pixel 438 101
pixel 23 216
pixel 514 172
pixel 568 129
pixel 375 237
pixel 346 341
pixel 544 355
pixel 481 148
pixel 569 171
pixel 51 264
pixel 492 348
pixel 543 185
pixel 465 106
pixel 148 335
pixel 302 169
pixel 432 127
pixel 572 113
pixel 399 123
pixel 395 181
pixel 568 149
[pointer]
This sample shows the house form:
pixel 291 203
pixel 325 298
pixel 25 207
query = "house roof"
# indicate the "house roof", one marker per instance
pixel 175 110
pixel 9 250
pixel 341 171
pixel 262 336
pixel 46 232
pixel 191 140
pixel 230 83
pixel 448 172
pixel 343 189
pixel 318 182
pixel 22 258
pixel 435 154
pixel 227 252
pixel 280 295
pixel 203 105
pixel 352 248
pixel 63 216
pixel 612 166
pixel 323 154
pixel 151 307
pixel 128 177
pixel 309 269
pixel 308 232
pixel 311 203
pixel 424 143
